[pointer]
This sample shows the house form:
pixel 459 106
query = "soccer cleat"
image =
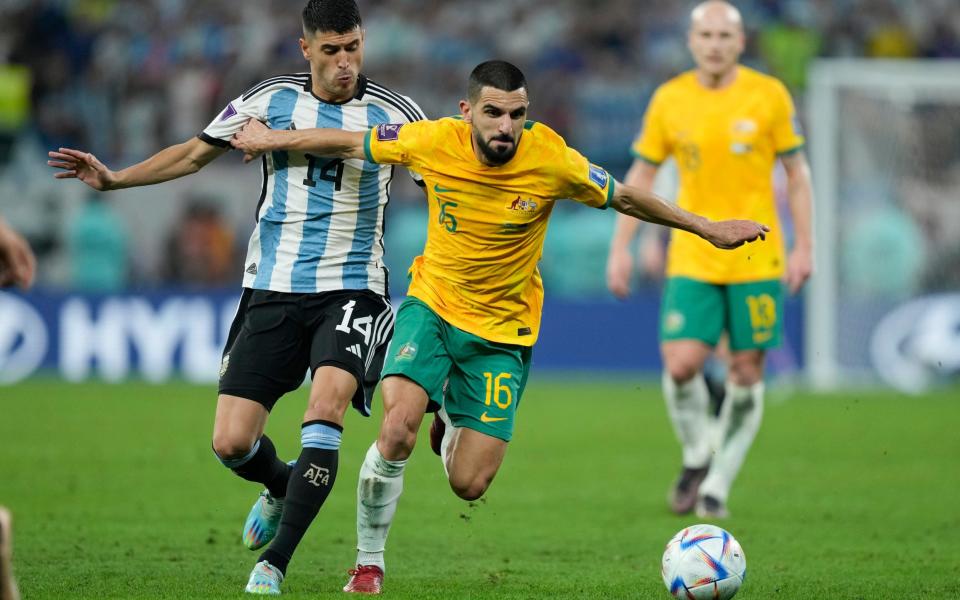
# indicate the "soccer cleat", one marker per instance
pixel 365 579
pixel 437 429
pixel 265 580
pixel 262 522
pixel 683 496
pixel 709 507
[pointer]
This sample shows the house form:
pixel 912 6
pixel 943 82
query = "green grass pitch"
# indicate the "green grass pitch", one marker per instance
pixel 116 494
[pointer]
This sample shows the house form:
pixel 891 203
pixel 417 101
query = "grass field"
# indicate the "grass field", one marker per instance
pixel 116 494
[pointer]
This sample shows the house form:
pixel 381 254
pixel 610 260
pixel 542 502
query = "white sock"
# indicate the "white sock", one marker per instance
pixel 687 405
pixel 738 425
pixel 379 489
pixel 447 438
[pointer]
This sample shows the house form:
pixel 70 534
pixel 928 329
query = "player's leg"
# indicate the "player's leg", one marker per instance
pixel 315 470
pixel 755 317
pixel 263 360
pixel 347 333
pixel 692 321
pixel 8 585
pixel 480 406
pixel 413 377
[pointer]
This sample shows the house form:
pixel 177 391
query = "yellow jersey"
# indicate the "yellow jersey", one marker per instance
pixel 487 224
pixel 725 143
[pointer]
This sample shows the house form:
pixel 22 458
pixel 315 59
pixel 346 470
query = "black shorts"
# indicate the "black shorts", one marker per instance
pixel 277 336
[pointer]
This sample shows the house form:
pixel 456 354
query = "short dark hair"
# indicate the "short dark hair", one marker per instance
pixel 497 74
pixel 339 16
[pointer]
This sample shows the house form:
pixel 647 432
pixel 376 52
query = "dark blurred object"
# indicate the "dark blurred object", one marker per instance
pixel 200 250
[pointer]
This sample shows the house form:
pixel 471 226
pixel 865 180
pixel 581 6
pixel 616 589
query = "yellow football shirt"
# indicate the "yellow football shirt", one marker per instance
pixel 725 143
pixel 485 236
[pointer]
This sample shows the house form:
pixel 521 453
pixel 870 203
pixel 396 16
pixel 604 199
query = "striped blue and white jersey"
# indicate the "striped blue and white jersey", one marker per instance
pixel 320 219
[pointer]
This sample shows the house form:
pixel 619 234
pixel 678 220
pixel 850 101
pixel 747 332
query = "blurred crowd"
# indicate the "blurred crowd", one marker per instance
pixel 123 78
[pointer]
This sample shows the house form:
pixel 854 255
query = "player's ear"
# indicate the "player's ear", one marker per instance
pixel 305 48
pixel 465 111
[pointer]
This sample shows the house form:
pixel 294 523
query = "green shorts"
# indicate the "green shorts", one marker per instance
pixel 478 382
pixel 751 313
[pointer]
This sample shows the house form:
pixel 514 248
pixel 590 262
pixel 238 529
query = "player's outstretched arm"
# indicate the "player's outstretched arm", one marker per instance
pixel 170 163
pixel 17 263
pixel 256 138
pixel 649 207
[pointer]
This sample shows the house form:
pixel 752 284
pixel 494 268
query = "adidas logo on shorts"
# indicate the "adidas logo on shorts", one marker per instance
pixel 355 349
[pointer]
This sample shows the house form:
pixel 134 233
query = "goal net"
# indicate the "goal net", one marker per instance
pixel 884 305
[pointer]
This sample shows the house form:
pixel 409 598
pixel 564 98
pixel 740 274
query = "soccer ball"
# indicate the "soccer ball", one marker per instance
pixel 701 562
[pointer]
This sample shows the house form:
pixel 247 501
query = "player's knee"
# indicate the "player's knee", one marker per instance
pixel 397 437
pixel 681 371
pixel 746 370
pixel 230 447
pixel 470 488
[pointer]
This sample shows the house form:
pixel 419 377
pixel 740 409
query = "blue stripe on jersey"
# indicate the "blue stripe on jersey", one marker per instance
pixel 279 116
pixel 355 270
pixel 316 226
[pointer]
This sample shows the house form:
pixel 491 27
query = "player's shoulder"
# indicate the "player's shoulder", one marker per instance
pixel 383 95
pixel 762 81
pixel 544 135
pixel 294 81
pixel 677 85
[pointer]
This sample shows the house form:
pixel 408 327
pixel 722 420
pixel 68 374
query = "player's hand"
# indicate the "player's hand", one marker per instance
pixel 252 139
pixel 83 166
pixel 799 268
pixel 652 256
pixel 17 263
pixel 734 233
pixel 619 269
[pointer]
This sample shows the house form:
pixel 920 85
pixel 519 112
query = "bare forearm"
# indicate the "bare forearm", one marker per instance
pixel 647 206
pixel 170 163
pixel 323 142
pixel 800 200
pixel 640 176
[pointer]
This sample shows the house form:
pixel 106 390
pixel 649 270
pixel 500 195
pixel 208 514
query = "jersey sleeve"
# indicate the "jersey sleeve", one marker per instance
pixel 652 144
pixel 232 119
pixel 396 143
pixel 585 182
pixel 786 131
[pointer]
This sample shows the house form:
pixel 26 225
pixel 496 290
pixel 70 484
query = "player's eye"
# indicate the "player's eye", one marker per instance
pixel 518 114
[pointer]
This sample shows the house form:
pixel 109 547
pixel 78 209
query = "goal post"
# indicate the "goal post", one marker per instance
pixel 885 157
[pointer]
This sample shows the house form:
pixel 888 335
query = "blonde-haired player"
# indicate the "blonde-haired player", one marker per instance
pixel 726 125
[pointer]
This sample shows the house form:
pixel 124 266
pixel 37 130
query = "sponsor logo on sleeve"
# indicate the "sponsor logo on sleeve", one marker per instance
pixel 388 132
pixel 598 176
pixel 228 112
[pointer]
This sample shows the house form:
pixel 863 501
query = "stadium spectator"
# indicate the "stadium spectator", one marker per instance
pixel 97 245
pixel 726 157
pixel 472 312
pixel 200 249
pixel 314 297
pixel 8 585
pixel 17 263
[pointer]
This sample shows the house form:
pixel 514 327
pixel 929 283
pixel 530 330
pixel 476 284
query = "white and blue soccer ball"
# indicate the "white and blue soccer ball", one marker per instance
pixel 703 562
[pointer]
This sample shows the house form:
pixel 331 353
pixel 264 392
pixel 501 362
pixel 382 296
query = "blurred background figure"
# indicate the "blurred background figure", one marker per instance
pixel 98 250
pixel 200 250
